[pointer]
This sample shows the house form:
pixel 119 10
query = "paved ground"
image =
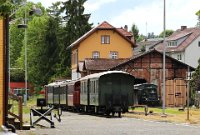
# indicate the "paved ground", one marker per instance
pixel 76 124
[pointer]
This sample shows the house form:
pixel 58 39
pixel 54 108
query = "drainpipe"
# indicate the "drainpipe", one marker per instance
pixel 6 68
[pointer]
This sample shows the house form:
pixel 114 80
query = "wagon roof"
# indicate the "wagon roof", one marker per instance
pixel 98 75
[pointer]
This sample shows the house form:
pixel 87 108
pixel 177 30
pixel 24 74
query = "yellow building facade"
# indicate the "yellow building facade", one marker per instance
pixel 104 41
pixel 2 72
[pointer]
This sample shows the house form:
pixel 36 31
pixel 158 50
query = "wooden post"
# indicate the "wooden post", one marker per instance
pixel 20 107
pixel 2 72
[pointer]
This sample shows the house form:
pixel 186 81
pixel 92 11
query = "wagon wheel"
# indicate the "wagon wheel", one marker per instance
pixel 196 103
pixel 113 113
pixel 119 114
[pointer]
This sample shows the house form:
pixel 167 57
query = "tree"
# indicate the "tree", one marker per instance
pixel 135 32
pixel 76 25
pixel 7 5
pixel 141 38
pixel 195 82
pixel 198 15
pixel 17 42
pixel 167 33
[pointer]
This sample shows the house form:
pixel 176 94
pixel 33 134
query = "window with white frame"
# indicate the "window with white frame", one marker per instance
pixel 199 43
pixel 179 57
pixel 95 54
pixel 105 39
pixel 172 43
pixel 113 55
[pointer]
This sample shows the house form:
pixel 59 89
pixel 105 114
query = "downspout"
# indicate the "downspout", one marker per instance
pixel 6 84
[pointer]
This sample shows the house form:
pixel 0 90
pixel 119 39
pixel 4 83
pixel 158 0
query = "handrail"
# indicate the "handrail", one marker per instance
pixel 18 116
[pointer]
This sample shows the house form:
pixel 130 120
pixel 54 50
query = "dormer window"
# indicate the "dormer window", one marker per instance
pixel 105 39
pixel 172 44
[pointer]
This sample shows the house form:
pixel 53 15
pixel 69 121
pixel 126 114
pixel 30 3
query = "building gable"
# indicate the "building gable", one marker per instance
pixel 104 26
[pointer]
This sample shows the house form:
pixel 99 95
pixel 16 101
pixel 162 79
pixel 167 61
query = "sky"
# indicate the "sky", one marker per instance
pixel 147 15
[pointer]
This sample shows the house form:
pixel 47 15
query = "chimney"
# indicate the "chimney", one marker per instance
pixel 183 28
pixel 126 27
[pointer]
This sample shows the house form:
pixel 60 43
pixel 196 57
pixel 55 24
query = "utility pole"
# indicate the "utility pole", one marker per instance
pixel 164 48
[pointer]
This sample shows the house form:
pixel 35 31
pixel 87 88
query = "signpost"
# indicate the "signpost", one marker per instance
pixel 188 78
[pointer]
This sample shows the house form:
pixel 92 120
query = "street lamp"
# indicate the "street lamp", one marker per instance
pixel 164 49
pixel 24 25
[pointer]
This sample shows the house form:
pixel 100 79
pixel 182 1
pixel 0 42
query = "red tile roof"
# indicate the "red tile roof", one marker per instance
pixel 191 33
pixel 102 63
pixel 104 26
pixel 124 32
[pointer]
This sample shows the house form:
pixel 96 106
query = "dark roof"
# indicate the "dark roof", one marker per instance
pixel 148 52
pixel 148 43
pixel 190 33
pixel 101 63
pixel 103 26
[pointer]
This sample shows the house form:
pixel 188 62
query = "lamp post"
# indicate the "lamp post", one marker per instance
pixel 24 25
pixel 164 49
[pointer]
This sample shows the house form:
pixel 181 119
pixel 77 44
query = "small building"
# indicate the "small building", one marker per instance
pixel 103 41
pixel 149 66
pixel 18 88
pixel 183 45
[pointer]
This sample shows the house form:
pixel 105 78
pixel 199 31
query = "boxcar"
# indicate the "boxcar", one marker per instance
pixel 107 92
pixel 147 94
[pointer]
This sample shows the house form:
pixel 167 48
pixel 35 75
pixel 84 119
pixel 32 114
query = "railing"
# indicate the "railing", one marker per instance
pixel 15 112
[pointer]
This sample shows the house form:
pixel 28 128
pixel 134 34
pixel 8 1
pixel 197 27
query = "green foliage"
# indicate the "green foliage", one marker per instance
pixel 76 25
pixel 6 6
pixel 17 75
pixel 198 15
pixel 195 82
pixel 142 49
pixel 135 31
pixel 141 38
pixel 48 36
pixel 167 33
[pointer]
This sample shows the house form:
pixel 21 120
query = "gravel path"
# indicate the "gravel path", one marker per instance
pixel 80 124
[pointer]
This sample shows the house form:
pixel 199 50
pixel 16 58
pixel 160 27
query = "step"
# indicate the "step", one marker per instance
pixel 26 127
pixel 11 120
pixel 17 125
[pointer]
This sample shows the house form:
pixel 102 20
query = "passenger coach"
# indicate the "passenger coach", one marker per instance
pixel 107 92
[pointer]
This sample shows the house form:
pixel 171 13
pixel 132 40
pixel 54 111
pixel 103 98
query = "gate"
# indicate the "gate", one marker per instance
pixel 176 91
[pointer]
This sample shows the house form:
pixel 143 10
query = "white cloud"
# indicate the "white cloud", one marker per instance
pixel 146 17
pixel 96 4
pixel 178 13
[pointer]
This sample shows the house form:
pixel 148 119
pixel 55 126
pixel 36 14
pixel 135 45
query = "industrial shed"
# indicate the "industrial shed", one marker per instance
pixel 149 66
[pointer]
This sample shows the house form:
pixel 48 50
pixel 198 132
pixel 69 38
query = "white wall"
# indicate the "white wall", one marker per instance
pixel 192 53
pixel 75 75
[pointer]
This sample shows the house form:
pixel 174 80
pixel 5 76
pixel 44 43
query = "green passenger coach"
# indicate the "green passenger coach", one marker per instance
pixel 107 92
